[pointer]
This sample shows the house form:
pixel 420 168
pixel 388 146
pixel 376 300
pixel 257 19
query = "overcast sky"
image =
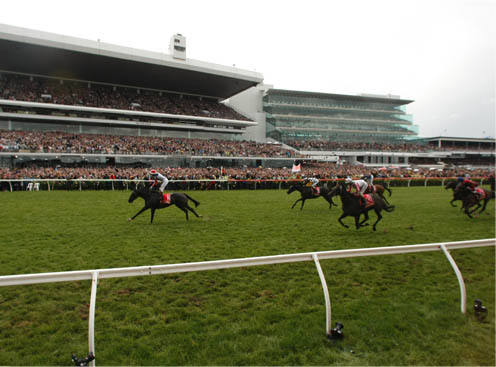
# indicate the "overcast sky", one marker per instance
pixel 439 53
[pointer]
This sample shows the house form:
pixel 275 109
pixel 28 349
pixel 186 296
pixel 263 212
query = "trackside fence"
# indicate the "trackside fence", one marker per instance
pixel 203 184
pixel 96 275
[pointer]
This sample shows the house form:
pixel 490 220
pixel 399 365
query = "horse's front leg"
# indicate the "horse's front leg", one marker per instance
pixel 484 206
pixel 340 220
pixel 302 203
pixel 153 214
pixel 451 202
pixel 295 203
pixel 365 219
pixel 138 213
pixel 329 200
pixel 357 221
pixel 468 212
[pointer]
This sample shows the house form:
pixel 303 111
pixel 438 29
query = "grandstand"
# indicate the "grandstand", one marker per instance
pixel 69 84
pixel 69 101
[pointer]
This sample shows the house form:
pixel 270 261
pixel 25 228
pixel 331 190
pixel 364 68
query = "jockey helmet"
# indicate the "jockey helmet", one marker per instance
pixel 153 172
pixel 348 180
pixel 460 179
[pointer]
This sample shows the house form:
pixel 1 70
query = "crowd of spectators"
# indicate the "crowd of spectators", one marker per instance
pixel 59 142
pixel 37 89
pixel 319 145
pixel 322 171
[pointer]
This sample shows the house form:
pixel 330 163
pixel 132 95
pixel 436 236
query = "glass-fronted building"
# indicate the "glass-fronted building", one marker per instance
pixel 302 116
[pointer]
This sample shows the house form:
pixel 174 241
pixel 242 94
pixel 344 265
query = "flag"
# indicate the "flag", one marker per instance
pixel 296 168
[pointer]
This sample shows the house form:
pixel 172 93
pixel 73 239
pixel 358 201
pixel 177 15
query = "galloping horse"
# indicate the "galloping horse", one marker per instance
pixel 352 206
pixel 153 201
pixel 379 190
pixel 307 193
pixel 469 199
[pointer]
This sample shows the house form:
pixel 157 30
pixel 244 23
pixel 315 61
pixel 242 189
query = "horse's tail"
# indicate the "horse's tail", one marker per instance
pixel 389 209
pixel 193 200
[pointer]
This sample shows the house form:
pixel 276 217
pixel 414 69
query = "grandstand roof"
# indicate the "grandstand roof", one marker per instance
pixel 462 139
pixel 303 94
pixel 48 54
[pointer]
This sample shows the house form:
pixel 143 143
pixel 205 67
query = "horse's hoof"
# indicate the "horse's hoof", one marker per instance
pixel 129 219
pixel 374 229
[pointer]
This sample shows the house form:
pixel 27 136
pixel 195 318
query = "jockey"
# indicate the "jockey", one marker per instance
pixel 154 175
pixel 359 185
pixel 370 179
pixel 469 184
pixel 313 182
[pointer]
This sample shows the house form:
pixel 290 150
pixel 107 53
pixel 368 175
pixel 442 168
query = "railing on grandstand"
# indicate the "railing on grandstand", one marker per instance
pixel 201 185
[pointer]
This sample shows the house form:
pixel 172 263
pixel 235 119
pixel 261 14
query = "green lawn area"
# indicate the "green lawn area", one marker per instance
pixel 396 309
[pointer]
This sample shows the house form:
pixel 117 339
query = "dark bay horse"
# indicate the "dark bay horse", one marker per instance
pixel 379 190
pixel 153 201
pixel 307 193
pixel 352 206
pixel 469 199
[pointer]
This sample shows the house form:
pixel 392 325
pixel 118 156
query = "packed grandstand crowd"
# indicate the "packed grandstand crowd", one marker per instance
pixel 318 170
pixel 375 146
pixel 60 142
pixel 37 89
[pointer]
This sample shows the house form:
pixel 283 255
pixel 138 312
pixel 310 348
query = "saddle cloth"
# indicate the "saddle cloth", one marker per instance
pixel 480 193
pixel 368 200
pixel 166 198
pixel 371 189
pixel 317 191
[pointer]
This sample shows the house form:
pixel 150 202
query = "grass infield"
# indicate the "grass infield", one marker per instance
pixel 396 309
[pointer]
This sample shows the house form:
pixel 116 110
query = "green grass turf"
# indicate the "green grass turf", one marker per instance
pixel 396 309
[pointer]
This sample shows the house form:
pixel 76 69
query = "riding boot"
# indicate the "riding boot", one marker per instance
pixel 363 201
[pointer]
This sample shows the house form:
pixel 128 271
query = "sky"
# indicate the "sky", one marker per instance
pixel 439 53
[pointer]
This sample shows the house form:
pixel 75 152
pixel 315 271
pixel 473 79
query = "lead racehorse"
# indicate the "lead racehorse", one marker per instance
pixel 153 201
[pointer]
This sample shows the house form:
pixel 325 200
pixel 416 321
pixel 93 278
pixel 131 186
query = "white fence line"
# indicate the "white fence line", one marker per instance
pixel 96 275
pixel 228 182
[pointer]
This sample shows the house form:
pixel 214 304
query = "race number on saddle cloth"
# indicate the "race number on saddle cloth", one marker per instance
pixel 368 200
pixel 166 198
pixel 480 193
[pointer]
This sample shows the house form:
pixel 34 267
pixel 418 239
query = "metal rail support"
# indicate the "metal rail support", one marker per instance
pixel 91 322
pixel 326 293
pixel 463 293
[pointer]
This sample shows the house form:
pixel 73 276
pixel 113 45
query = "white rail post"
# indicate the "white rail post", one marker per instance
pixel 91 326
pixel 463 293
pixel 326 293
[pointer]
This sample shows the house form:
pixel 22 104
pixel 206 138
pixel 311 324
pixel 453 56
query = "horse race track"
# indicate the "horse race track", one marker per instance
pixel 396 309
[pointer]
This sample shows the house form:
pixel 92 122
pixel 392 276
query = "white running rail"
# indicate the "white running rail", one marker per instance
pixel 96 275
